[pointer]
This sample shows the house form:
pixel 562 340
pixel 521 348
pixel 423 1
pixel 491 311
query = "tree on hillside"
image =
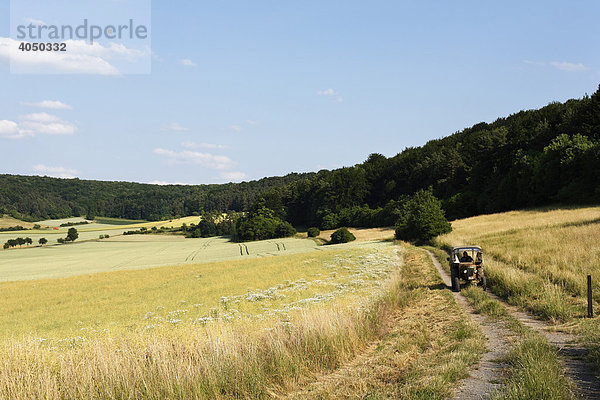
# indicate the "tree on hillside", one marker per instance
pixel 421 218
pixel 72 235
pixel 28 241
pixel 42 241
pixel 260 224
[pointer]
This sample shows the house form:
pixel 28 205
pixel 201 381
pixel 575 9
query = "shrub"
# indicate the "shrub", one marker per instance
pixel 72 235
pixel 421 218
pixel 313 232
pixel 342 235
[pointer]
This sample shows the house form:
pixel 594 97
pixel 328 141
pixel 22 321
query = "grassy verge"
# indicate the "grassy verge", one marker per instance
pixel 428 344
pixel 535 369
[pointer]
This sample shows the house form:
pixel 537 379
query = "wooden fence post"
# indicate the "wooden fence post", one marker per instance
pixel 589 297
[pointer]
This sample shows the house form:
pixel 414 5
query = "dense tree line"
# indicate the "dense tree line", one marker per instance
pixel 530 158
pixel 33 198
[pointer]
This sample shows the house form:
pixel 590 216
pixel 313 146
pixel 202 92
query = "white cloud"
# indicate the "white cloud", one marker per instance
pixel 165 183
pixel 331 93
pixel 236 128
pixel 194 157
pixel 567 66
pixel 35 21
pixel 186 62
pixel 40 117
pixel 234 176
pixel 50 104
pixel 9 129
pixel 194 145
pixel 175 127
pixel 33 124
pixel 57 172
pixel 251 122
pixel 560 65
pixel 80 58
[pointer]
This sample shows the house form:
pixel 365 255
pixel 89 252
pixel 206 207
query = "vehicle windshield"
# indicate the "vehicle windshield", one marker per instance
pixel 467 255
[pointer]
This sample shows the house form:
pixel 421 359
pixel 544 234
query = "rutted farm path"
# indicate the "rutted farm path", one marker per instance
pixel 490 370
pixel 577 369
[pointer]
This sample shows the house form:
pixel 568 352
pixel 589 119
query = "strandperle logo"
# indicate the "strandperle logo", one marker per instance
pixel 84 31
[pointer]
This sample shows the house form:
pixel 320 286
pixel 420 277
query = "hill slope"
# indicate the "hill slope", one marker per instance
pixel 530 158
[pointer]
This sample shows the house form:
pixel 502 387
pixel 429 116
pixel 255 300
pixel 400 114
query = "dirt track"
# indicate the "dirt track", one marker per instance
pixel 489 373
pixel 481 383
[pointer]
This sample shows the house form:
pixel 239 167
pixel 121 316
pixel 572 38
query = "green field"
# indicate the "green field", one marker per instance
pixel 134 252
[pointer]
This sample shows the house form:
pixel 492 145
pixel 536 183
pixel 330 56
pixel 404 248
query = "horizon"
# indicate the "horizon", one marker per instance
pixel 242 92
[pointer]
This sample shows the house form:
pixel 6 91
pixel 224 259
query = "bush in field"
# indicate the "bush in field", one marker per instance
pixel 6 245
pixel 421 218
pixel 72 235
pixel 313 232
pixel 42 241
pixel 342 235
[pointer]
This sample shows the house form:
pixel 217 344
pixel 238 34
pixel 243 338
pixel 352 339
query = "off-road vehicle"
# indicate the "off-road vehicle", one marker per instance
pixel 466 264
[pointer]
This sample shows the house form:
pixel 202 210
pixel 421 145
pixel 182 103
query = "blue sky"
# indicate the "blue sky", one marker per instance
pixel 241 90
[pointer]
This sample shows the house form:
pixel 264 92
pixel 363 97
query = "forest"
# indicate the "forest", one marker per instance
pixel 531 158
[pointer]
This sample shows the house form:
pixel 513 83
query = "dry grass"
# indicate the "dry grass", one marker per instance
pixel 538 259
pixel 265 354
pixel 8 222
pixel 362 234
pixel 427 344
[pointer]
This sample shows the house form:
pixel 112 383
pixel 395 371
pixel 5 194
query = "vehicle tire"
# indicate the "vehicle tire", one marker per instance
pixel 455 284
pixel 484 283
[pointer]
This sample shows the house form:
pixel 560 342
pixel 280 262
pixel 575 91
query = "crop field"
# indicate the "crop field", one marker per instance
pixel 134 252
pixel 247 328
pixel 7 222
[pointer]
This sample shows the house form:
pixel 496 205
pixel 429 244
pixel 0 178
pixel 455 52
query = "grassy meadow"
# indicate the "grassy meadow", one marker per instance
pixel 539 260
pixel 253 328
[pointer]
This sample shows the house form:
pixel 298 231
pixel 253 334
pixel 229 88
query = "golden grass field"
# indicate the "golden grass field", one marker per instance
pixel 244 327
pixel 538 259
pixel 7 222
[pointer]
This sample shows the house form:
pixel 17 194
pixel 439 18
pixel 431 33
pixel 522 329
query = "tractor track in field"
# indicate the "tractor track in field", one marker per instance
pixel 490 371
pixel 195 253
pixel 572 353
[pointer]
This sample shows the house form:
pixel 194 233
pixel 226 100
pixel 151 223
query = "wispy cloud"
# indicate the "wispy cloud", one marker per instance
pixel 251 122
pixel 175 127
pixel 50 104
pixel 35 21
pixel 236 128
pixel 57 172
pixel 33 124
pixel 165 183
pixel 186 62
pixel 233 176
pixel 194 145
pixel 331 93
pixel 568 66
pixel 207 160
pixel 560 65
